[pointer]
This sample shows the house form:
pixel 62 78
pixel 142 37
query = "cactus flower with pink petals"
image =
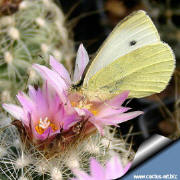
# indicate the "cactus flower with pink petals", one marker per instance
pixel 99 114
pixel 42 114
pixel 113 170
pixel 57 109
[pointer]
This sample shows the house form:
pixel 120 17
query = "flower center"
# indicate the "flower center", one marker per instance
pixel 44 124
pixel 85 105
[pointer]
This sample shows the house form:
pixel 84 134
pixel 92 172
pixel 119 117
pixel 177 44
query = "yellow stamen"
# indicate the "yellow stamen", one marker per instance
pixel 73 104
pixel 53 127
pixel 44 124
pixel 85 105
pixel 94 112
pixel 39 130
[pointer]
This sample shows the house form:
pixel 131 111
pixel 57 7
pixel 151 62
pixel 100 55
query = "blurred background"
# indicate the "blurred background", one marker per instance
pixel 95 19
pixel 29 30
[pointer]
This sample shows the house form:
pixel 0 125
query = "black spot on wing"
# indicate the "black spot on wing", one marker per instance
pixel 132 43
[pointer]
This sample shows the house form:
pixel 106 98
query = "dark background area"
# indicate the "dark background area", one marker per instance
pixel 93 20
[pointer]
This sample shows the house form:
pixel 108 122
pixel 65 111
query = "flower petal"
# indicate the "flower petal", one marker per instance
pixel 65 121
pixel 98 124
pixel 118 100
pixel 107 111
pixel 41 103
pixel 114 168
pixel 14 110
pixel 32 92
pixel 60 69
pixel 82 112
pixel 53 78
pixel 25 101
pixel 127 167
pixel 82 60
pixel 112 120
pixel 40 137
pixel 116 119
pixel 97 171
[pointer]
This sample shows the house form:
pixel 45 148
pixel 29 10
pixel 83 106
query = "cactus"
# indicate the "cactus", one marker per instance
pixel 34 31
pixel 18 161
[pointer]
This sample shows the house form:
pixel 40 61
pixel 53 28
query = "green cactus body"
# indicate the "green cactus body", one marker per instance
pixel 34 31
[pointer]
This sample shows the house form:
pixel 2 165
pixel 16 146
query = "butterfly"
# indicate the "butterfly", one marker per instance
pixel 132 58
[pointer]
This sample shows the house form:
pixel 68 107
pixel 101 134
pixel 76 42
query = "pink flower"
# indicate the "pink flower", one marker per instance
pixel 113 170
pixel 112 112
pixel 47 112
pixel 99 114
pixel 42 113
pixel 56 108
pixel 59 77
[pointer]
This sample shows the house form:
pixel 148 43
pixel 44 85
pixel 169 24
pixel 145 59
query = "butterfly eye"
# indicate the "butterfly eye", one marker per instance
pixel 132 43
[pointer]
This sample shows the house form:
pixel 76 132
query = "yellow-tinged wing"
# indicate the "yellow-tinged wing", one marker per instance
pixel 135 31
pixel 143 72
pixel 132 58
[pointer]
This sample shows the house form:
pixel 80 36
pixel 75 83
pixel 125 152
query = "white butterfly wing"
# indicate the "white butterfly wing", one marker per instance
pixel 135 31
